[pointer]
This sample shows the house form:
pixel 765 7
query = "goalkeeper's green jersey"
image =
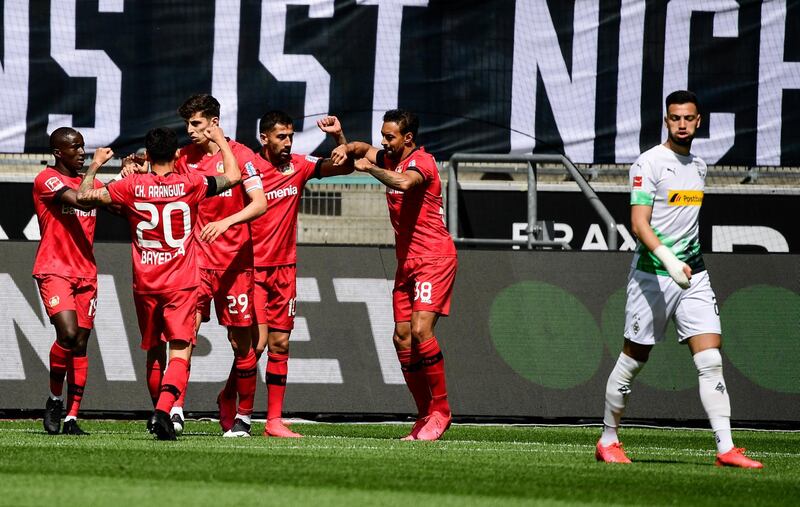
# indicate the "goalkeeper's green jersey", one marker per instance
pixel 673 185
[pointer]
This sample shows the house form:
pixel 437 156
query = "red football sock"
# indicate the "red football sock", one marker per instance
pixel 246 376
pixel 415 380
pixel 182 398
pixel 76 382
pixel 277 368
pixel 155 372
pixel 173 383
pixel 59 360
pixel 229 391
pixel 433 366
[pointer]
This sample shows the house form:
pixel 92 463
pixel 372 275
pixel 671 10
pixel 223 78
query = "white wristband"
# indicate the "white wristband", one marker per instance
pixel 673 264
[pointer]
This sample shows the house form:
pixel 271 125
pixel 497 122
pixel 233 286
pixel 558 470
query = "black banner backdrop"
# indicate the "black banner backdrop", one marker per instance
pixel 584 78
pixel 729 222
pixel 534 336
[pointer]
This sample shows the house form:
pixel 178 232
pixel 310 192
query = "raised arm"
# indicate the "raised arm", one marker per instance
pixel 87 195
pixel 232 175
pixel 331 126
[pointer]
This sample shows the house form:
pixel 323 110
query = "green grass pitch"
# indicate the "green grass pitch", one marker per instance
pixel 121 465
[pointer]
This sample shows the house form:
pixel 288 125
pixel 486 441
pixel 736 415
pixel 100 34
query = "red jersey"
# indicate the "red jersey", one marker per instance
pixel 161 211
pixel 234 248
pixel 67 233
pixel 417 214
pixel 275 232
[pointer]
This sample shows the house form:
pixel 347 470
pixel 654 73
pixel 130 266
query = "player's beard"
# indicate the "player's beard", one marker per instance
pixel 685 141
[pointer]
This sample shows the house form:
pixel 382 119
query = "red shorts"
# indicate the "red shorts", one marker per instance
pixel 232 292
pixel 275 295
pixel 423 284
pixel 166 316
pixel 68 293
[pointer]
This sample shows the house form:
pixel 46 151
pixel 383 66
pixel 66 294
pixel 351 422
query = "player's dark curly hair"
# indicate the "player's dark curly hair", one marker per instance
pixel 202 103
pixel 272 118
pixel 681 97
pixel 406 120
pixel 161 144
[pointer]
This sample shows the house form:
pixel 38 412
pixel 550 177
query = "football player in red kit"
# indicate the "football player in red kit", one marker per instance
pixel 66 273
pixel 226 252
pixel 284 175
pixel 161 208
pixel 426 261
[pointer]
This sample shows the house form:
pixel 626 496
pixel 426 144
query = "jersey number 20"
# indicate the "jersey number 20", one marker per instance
pixel 166 222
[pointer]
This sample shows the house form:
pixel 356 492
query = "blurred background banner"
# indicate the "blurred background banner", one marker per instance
pixel 533 337
pixel 586 78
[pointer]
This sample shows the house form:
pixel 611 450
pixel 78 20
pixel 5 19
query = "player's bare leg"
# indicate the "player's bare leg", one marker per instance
pixel 413 374
pixel 424 342
pixel 246 372
pixel 277 370
pixel 705 349
pixel 618 387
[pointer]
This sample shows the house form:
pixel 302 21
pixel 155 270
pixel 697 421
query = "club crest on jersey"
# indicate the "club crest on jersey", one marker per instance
pixel 287 169
pixel 220 167
pixel 53 183
pixel 54 301
pixel 701 169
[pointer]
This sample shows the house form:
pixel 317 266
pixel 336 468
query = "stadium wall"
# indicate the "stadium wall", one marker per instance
pixel 586 79
pixel 732 220
pixel 531 335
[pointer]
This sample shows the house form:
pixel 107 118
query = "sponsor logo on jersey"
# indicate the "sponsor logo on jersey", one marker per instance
pixel 69 210
pixel 685 197
pixel 194 166
pixel 250 169
pixel 637 181
pixel 282 192
pixel 312 159
pixel 220 167
pixel 287 169
pixel 53 183
pixel 54 301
